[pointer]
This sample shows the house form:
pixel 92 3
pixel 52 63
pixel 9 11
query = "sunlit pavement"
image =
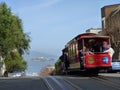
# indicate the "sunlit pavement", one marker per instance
pixel 110 74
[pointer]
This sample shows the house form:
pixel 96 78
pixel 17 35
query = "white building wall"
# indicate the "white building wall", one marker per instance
pixel 95 30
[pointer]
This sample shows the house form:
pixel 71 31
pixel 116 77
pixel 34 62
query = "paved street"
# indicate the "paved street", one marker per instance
pixel 22 84
pixel 108 82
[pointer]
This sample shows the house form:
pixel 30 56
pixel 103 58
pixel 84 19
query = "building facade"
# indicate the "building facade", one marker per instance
pixel 111 26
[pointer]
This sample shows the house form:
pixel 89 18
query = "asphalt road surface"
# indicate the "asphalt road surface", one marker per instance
pixel 102 82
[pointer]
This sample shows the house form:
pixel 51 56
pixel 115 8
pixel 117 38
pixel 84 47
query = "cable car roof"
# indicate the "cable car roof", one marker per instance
pixel 87 35
pixel 94 37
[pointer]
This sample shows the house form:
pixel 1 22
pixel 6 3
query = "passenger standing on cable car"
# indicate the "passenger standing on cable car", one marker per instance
pixel 108 48
pixel 105 45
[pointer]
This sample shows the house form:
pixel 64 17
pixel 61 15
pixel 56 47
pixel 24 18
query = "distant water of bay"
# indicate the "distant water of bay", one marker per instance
pixel 35 66
pixel 36 61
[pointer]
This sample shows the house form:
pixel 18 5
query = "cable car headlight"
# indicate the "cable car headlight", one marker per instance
pixel 105 60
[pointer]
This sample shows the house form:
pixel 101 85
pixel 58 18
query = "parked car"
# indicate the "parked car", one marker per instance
pixel 115 66
pixel 17 73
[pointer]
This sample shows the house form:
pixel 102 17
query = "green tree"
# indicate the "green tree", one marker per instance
pixel 15 62
pixel 13 41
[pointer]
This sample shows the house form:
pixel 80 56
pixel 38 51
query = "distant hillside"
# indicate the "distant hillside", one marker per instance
pixel 36 54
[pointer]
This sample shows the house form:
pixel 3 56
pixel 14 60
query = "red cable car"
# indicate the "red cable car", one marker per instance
pixel 85 52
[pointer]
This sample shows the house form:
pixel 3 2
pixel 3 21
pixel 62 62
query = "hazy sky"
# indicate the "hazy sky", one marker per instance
pixel 52 23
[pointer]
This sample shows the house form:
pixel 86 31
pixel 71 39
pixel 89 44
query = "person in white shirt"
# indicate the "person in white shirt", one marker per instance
pixel 110 51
